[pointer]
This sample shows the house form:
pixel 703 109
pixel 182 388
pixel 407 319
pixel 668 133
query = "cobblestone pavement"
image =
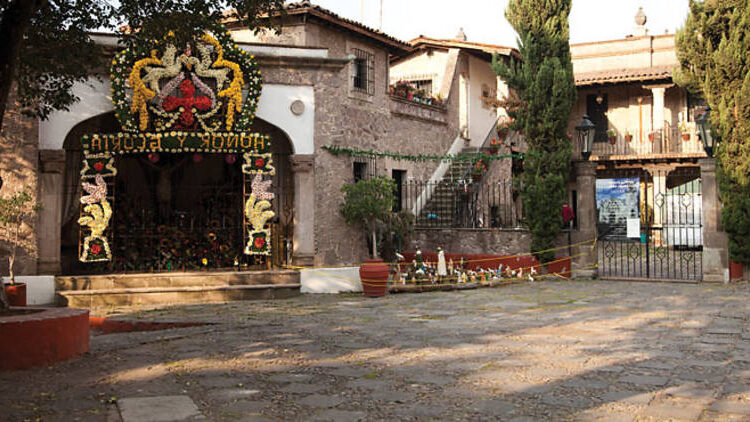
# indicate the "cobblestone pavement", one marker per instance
pixel 543 351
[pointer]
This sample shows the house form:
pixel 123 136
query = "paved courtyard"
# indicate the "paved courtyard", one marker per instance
pixel 542 351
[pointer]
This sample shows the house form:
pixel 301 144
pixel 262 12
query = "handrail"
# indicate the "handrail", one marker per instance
pixel 490 135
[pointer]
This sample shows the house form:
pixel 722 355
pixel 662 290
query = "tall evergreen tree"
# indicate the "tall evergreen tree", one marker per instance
pixel 544 94
pixel 712 50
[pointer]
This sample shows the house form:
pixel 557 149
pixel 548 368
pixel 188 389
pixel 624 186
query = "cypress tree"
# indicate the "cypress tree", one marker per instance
pixel 712 50
pixel 543 96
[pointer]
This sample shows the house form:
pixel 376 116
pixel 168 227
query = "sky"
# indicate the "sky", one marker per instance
pixel 484 20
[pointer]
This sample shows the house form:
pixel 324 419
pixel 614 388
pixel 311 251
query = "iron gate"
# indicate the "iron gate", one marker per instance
pixel 649 224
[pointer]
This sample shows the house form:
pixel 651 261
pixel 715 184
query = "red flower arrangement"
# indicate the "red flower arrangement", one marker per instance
pixel 96 249
pixel 259 242
pixel 259 162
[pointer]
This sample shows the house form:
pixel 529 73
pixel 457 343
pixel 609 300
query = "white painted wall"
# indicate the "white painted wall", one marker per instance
pixel 481 118
pixel 95 99
pixel 330 280
pixel 274 107
pixel 40 289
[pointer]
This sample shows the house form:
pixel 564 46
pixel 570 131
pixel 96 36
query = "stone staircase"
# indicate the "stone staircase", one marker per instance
pixel 442 202
pixel 102 291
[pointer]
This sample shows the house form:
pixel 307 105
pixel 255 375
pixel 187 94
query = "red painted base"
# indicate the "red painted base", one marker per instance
pixel 560 266
pixel 41 338
pixel 106 325
pixel 735 270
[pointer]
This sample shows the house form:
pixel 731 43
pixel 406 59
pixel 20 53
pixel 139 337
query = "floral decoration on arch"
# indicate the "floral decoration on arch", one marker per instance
pixel 159 86
pixel 257 213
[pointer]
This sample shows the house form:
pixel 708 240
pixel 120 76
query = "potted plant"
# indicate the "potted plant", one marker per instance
pixel 503 127
pixel 20 208
pixel 628 136
pixel 612 136
pixel 478 170
pixel 369 204
pixel 652 135
pixel 684 131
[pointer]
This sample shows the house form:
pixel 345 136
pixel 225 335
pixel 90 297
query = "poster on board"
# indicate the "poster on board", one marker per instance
pixel 616 202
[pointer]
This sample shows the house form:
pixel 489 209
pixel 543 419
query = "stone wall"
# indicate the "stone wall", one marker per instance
pixel 19 153
pixel 357 121
pixel 483 241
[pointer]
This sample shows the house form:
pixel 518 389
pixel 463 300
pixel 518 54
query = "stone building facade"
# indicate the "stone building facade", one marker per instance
pixel 310 100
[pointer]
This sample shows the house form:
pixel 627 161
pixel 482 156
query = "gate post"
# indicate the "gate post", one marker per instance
pixel 52 169
pixel 584 265
pixel 303 249
pixel 715 242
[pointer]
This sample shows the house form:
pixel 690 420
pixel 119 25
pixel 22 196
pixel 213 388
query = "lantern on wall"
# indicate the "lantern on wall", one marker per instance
pixel 585 133
pixel 703 121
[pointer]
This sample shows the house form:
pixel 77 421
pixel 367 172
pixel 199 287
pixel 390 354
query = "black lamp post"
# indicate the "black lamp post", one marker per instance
pixel 703 120
pixel 585 132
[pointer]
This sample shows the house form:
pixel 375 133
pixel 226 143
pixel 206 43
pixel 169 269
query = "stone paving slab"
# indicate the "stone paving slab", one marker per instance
pixel 624 351
pixel 158 409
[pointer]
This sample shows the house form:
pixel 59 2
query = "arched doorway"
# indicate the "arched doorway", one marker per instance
pixel 176 211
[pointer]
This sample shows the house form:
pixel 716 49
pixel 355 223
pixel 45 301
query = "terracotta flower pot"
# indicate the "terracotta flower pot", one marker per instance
pixel 685 137
pixel 16 294
pixel 735 270
pixel 651 137
pixel 374 276
pixel 612 140
pixel 628 138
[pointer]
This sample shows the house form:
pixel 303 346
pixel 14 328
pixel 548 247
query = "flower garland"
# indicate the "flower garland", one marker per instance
pixel 356 152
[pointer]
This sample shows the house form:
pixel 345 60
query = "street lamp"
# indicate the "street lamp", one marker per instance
pixel 703 120
pixel 585 133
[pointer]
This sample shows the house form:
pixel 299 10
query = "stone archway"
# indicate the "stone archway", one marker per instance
pixel 138 174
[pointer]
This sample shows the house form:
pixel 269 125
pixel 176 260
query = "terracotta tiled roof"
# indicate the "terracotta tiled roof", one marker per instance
pixel 487 48
pixel 305 6
pixel 623 75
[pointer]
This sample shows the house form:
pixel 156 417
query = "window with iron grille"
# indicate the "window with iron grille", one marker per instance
pixel 363 74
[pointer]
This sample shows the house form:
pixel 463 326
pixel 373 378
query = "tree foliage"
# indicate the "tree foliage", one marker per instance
pixel 15 211
pixel 544 93
pixel 369 204
pixel 712 50
pixel 47 46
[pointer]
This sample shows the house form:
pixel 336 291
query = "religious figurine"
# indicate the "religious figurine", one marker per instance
pixel 450 266
pixel 442 270
pixel 163 189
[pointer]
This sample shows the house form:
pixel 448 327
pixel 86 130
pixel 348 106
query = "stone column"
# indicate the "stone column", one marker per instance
pixel 52 170
pixel 303 249
pixel 715 242
pixel 658 113
pixel 586 192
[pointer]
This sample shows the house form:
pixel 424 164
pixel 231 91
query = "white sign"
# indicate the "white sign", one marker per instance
pixel 634 227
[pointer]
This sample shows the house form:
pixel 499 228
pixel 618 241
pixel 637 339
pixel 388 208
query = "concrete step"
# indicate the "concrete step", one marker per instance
pixel 104 298
pixel 187 279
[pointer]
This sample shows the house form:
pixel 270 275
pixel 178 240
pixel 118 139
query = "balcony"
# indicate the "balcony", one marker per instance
pixel 667 143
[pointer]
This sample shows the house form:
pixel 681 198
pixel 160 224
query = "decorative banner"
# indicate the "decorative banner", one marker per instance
pixel 217 142
pixel 97 212
pixel 257 215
